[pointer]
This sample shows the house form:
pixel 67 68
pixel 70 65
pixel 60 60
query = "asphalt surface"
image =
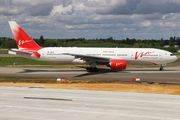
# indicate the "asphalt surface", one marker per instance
pixel 51 104
pixel 151 74
pixel 170 74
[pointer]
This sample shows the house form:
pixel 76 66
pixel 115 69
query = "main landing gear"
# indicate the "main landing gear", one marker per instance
pixel 92 67
pixel 162 67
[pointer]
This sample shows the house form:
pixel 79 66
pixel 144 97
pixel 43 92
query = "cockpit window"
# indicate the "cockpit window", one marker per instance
pixel 171 54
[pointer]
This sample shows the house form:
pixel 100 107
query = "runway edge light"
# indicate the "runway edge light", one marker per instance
pixel 61 79
pixel 135 79
pixel 58 79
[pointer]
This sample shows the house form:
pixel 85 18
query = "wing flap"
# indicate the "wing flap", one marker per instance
pixel 87 57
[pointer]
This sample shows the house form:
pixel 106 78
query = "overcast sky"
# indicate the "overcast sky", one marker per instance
pixel 140 19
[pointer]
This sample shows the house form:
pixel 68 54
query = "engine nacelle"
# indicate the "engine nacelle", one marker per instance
pixel 118 64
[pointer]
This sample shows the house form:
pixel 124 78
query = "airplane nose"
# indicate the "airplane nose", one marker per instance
pixel 175 58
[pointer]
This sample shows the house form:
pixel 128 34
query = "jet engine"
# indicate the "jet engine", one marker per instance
pixel 118 64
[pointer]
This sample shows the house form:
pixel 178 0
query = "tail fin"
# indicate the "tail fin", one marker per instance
pixel 22 38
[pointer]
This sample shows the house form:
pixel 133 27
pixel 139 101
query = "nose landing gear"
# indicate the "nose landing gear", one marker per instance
pixel 162 67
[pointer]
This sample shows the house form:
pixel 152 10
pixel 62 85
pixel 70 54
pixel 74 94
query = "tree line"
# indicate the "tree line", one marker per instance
pixel 98 42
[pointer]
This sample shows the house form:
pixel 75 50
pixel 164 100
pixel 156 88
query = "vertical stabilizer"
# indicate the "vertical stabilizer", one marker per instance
pixel 22 38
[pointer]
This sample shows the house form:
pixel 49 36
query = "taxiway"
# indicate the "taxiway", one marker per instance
pixel 152 74
pixel 51 104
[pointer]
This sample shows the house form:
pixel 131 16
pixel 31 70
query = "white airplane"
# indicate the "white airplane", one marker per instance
pixel 115 58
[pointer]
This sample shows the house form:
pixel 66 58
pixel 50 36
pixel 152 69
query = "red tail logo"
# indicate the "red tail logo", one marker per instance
pixel 22 38
pixel 21 42
pixel 141 54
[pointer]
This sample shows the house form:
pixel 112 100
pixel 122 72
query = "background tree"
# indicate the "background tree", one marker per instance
pixel 162 42
pixel 171 43
pixel 3 44
pixel 41 41
pixel 172 49
pixel 6 42
pixel 127 41
pixel 178 41
pixel 136 45
pixel 110 39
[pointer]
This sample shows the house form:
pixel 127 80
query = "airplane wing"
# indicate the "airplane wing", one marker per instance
pixel 87 57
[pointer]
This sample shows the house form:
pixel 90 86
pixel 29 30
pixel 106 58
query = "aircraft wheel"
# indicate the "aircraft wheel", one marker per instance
pixel 95 69
pixel 92 69
pixel 161 69
pixel 88 69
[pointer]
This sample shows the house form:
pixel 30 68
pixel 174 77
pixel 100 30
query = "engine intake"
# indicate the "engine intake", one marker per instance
pixel 118 64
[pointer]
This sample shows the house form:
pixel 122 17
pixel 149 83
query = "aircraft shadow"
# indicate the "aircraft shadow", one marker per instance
pixel 30 70
pixel 71 70
pixel 101 71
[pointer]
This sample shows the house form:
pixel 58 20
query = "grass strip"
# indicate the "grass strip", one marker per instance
pixel 176 53
pixel 51 80
pixel 3 52
pixel 25 62
pixel 4 61
pixel 27 80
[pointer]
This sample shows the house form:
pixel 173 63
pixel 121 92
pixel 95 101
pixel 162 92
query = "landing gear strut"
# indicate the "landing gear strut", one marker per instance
pixel 92 67
pixel 162 67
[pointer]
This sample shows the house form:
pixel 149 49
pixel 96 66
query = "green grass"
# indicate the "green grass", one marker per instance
pixel 9 61
pixel 50 80
pixel 176 53
pixel 24 79
pixel 4 61
pixel 3 52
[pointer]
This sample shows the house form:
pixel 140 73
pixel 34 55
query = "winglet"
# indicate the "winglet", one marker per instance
pixel 22 38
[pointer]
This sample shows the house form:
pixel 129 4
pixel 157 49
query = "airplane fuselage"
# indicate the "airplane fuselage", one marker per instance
pixel 131 55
